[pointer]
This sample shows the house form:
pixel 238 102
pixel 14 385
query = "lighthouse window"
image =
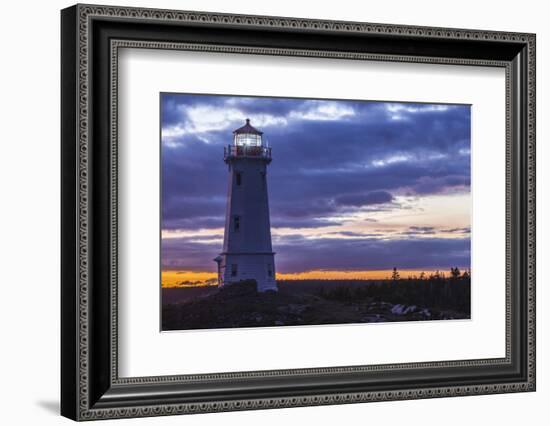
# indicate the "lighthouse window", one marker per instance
pixel 248 139
pixel 269 271
pixel 238 178
pixel 234 270
pixel 236 223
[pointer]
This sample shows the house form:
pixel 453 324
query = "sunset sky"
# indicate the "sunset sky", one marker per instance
pixel 354 186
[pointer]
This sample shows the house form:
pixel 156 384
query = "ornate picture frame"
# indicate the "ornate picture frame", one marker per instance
pixel 91 37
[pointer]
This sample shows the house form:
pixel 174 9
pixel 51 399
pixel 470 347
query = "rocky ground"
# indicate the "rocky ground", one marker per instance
pixel 240 305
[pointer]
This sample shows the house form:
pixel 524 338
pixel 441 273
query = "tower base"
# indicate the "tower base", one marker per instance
pixel 260 267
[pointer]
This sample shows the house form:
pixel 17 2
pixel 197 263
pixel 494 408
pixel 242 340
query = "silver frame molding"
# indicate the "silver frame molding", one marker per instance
pixel 91 387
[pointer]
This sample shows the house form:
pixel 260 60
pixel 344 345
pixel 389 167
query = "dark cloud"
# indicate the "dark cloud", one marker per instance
pixel 419 230
pixel 373 253
pixel 189 254
pixel 354 234
pixel 457 230
pixel 430 185
pixel 296 253
pixel 364 199
pixel 282 222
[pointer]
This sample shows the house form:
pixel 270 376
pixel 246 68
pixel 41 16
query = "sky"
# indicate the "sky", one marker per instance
pixel 354 186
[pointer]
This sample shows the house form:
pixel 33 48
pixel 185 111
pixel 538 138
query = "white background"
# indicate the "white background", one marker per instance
pixel 29 225
pixel 146 352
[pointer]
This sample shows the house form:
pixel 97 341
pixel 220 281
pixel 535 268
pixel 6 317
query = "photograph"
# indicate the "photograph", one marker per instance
pixel 290 211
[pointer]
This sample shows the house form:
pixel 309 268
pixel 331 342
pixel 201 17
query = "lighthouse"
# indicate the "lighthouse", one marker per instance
pixel 247 253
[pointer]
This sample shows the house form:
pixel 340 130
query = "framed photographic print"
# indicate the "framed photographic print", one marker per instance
pixel 263 212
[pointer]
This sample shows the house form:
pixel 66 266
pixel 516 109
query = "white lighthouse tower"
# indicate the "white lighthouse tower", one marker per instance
pixel 247 252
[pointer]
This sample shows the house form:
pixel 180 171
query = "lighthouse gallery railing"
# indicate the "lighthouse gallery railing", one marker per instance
pixel 247 151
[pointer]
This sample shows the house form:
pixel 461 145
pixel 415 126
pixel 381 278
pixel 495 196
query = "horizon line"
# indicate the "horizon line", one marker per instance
pixel 171 278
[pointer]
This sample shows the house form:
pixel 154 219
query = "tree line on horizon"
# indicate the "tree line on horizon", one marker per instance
pixel 454 274
pixel 435 291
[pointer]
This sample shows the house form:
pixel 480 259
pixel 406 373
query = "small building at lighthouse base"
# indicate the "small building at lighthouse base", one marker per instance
pixel 234 268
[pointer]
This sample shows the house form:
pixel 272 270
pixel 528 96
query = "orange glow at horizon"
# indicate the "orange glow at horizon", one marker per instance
pixel 175 278
pixel 187 279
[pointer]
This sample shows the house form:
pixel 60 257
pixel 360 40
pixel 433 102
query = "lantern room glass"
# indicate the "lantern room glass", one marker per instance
pixel 248 139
